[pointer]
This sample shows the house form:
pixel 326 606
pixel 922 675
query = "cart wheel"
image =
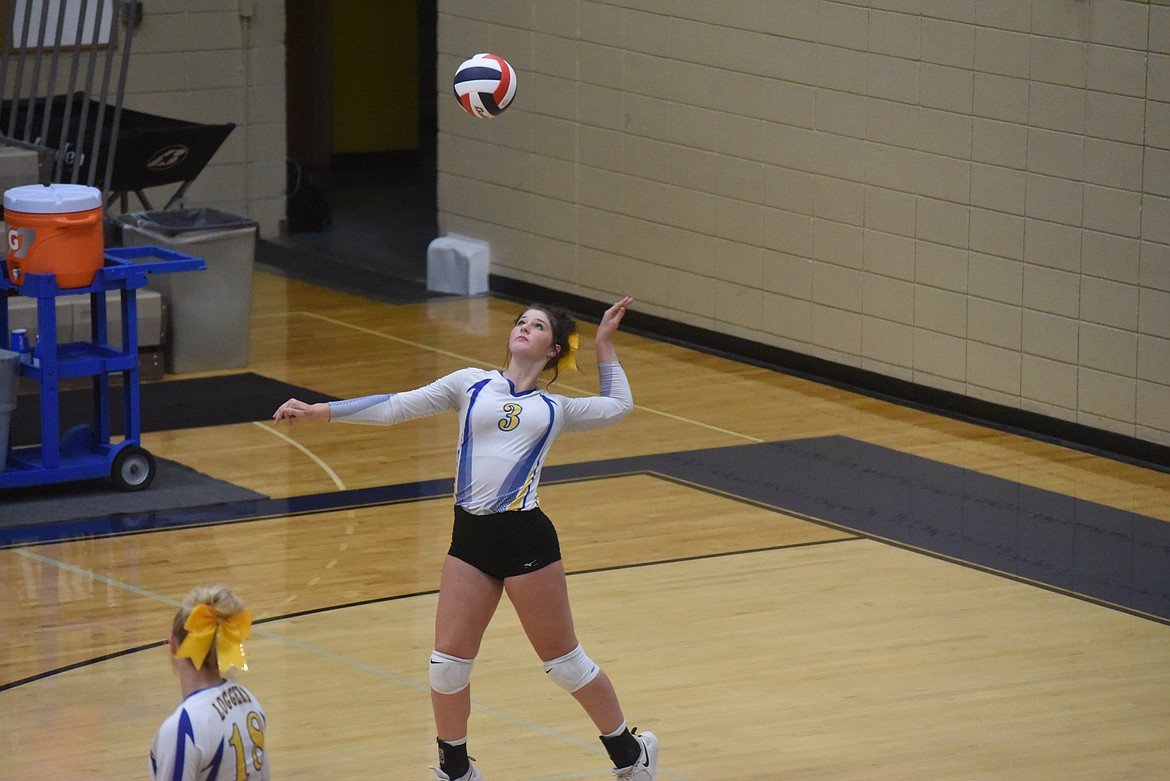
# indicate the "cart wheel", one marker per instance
pixel 133 469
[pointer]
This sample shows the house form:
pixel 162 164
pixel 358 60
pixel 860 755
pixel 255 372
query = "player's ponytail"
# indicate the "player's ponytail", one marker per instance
pixel 230 616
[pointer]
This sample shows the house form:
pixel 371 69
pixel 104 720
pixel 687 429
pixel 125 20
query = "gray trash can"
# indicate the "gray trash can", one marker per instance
pixel 207 311
pixel 9 382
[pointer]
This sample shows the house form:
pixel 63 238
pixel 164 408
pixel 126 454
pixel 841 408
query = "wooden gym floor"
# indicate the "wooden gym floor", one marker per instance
pixel 785 580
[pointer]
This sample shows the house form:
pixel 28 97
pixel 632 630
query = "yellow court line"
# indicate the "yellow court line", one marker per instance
pixel 270 428
pixel 471 362
pixel 337 481
pixel 382 335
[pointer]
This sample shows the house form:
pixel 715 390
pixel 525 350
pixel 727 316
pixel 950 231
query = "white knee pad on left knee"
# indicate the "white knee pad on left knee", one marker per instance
pixel 449 674
pixel 573 670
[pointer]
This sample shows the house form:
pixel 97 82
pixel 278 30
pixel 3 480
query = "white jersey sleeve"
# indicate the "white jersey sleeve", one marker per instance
pixel 387 409
pixel 216 734
pixel 615 402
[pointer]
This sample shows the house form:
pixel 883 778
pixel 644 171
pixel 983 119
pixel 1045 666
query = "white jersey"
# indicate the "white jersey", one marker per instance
pixel 216 734
pixel 504 436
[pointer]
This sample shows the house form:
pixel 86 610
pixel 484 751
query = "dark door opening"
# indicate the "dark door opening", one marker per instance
pixel 362 128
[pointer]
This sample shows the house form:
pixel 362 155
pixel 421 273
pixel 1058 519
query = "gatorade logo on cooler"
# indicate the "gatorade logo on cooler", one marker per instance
pixel 19 240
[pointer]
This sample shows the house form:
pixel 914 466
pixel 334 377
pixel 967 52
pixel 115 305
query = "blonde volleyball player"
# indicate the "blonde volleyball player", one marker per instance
pixel 502 541
pixel 217 732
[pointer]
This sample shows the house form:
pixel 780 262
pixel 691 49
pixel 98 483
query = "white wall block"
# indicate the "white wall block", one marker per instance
pixel 1153 413
pixel 994 368
pixel 1154 266
pixel 994 323
pixel 995 278
pixel 1051 336
pixel 1106 395
pixel 1154 312
pixel 1053 381
pixel 1111 257
pixel 1108 349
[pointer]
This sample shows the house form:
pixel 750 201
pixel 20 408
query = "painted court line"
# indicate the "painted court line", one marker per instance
pixel 379 672
pixel 337 481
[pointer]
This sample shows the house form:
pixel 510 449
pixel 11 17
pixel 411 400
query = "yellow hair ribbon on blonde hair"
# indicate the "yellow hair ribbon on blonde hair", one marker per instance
pixel 204 626
pixel 569 359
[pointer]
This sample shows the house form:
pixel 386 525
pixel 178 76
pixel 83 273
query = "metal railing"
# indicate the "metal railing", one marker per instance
pixel 59 94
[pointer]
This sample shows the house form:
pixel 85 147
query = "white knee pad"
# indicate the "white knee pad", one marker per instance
pixel 449 674
pixel 573 670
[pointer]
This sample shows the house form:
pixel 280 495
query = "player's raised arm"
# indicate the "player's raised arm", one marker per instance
pixel 603 341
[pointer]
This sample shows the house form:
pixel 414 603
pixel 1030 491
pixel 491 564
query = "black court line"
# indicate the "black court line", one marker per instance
pixel 79 664
pixel 396 598
pixel 1107 555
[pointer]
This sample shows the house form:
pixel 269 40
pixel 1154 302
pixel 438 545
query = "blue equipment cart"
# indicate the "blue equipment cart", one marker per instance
pixel 85 451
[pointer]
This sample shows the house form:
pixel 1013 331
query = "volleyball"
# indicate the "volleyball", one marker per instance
pixel 485 85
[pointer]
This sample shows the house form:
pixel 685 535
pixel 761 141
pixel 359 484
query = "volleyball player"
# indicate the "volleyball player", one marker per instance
pixel 501 540
pixel 217 732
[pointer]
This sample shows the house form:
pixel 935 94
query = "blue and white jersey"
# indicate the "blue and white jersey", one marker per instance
pixel 504 435
pixel 216 734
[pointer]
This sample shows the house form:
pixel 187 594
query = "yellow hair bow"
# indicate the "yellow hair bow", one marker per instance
pixel 203 626
pixel 569 359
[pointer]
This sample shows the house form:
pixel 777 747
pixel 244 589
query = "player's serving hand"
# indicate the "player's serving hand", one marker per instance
pixel 610 321
pixel 295 409
pixel 613 317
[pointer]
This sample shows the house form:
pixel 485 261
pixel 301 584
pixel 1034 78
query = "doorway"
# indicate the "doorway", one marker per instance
pixel 362 130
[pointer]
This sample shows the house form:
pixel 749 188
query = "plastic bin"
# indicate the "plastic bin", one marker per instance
pixel 208 311
pixel 9 382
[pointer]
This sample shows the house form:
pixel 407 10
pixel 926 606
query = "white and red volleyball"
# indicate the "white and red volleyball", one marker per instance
pixel 485 85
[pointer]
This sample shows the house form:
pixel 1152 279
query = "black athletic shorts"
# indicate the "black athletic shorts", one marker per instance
pixel 505 544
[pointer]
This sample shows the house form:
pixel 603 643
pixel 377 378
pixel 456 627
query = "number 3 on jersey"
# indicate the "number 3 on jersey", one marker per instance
pixel 511 417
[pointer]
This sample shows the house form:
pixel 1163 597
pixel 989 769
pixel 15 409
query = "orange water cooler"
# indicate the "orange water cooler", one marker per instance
pixel 54 229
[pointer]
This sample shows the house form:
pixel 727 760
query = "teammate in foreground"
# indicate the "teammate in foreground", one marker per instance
pixel 217 733
pixel 502 541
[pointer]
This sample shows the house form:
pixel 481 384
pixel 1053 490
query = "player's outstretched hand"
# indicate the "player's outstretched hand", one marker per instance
pixel 295 409
pixel 609 323
pixel 613 317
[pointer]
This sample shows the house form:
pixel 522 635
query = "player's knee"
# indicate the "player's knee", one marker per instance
pixel 573 670
pixel 449 674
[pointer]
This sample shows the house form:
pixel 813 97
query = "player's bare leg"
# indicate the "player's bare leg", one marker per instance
pixel 467 601
pixel 541 600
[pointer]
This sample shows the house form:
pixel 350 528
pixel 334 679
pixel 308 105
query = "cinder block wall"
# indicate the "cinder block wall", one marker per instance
pixel 215 61
pixel 971 196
